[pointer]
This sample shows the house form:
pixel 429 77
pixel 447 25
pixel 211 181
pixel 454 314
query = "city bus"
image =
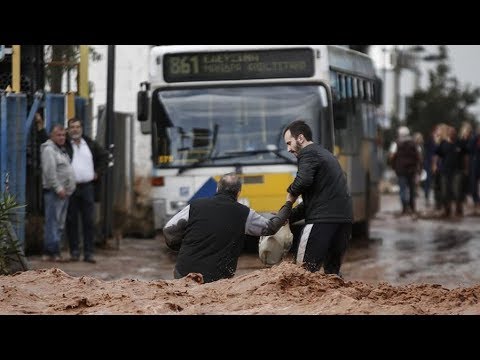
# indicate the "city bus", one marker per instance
pixel 215 109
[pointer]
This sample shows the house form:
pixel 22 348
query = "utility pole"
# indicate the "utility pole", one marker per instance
pixel 397 70
pixel 386 104
pixel 409 59
pixel 109 144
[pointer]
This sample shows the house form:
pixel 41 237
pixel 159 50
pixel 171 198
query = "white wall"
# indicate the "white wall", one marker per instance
pixel 131 68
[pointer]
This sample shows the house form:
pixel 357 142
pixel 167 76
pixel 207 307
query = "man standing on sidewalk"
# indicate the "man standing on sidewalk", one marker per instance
pixel 89 162
pixel 58 181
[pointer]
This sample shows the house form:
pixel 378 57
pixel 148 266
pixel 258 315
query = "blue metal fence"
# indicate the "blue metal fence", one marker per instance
pixel 54 110
pixel 81 112
pixel 13 144
pixel 15 126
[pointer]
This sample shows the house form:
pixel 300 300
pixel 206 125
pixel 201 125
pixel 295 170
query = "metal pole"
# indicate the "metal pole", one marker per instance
pixel 109 139
pixel 417 78
pixel 396 82
pixel 385 79
pixel 83 90
pixel 16 68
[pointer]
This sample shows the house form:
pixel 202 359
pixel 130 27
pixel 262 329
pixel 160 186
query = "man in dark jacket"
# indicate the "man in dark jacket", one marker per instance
pixel 89 161
pixel 326 202
pixel 210 232
pixel 406 161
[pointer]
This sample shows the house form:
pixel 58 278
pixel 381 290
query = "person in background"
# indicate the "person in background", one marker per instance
pixel 405 159
pixel 210 232
pixel 470 141
pixel 454 169
pixel 58 180
pixel 89 162
pixel 475 169
pixel 421 176
pixel 42 135
pixel 429 150
pixel 326 202
pixel 37 136
pixel 439 133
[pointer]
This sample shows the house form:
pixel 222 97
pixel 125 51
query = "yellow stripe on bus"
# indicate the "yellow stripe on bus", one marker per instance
pixel 265 192
pixel 342 159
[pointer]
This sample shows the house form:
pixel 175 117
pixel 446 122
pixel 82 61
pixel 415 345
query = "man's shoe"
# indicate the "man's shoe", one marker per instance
pixel 90 260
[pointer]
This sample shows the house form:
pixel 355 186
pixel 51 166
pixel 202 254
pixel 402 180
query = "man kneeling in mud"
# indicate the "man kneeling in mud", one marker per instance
pixel 210 232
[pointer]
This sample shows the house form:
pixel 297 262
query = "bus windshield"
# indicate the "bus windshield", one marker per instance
pixel 221 125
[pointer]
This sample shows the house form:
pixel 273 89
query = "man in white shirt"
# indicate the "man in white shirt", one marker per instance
pixel 89 162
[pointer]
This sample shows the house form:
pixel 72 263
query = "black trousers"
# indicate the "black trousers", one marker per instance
pixel 323 244
pixel 81 203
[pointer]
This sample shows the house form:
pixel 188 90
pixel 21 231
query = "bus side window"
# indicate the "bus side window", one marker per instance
pixel 348 87
pixel 377 91
pixel 341 87
pixel 340 106
pixel 355 87
pixel 366 90
pixel 360 89
pixel 350 94
pixel 334 83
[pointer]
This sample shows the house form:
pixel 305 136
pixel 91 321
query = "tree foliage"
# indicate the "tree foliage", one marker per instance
pixel 62 59
pixel 444 101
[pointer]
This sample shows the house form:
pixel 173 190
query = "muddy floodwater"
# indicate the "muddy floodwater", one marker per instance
pixel 408 266
pixel 400 251
pixel 431 250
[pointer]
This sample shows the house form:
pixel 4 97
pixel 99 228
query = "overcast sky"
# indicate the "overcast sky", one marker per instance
pixel 464 62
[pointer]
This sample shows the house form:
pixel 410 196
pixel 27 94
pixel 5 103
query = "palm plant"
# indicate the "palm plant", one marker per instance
pixel 9 247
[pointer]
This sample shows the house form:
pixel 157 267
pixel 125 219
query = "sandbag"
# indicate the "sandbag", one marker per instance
pixel 272 249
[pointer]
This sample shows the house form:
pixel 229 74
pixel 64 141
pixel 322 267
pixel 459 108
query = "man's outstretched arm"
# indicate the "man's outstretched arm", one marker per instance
pixel 175 229
pixel 258 225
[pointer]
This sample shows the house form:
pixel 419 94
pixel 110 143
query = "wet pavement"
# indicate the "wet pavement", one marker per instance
pixel 431 250
pixel 400 250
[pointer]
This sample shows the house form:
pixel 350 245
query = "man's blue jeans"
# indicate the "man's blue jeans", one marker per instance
pixel 407 192
pixel 55 215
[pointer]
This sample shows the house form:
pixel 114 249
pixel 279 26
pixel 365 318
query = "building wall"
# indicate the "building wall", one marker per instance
pixel 131 68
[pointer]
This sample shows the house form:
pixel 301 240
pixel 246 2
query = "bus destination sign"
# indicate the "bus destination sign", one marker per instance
pixel 238 65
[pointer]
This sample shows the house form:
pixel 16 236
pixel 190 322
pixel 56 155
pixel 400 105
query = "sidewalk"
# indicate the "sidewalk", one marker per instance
pixel 143 259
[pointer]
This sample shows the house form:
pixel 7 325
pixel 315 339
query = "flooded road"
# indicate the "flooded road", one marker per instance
pixel 428 250
pixel 401 251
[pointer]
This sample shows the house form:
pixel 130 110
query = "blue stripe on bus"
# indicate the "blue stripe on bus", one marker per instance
pixel 207 190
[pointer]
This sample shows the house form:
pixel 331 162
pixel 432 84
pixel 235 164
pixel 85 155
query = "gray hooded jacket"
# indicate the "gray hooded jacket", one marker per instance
pixel 57 171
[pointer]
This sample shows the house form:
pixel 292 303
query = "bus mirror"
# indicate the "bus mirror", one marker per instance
pixel 142 105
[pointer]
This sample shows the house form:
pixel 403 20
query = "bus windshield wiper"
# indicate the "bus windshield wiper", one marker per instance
pixel 235 154
pixel 276 152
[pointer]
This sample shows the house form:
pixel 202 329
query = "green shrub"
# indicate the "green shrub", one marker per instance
pixel 9 248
